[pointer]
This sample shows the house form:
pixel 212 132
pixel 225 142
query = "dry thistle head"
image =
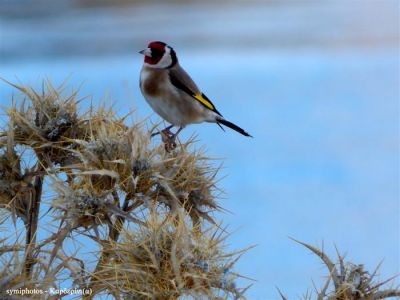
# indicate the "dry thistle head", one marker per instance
pixel 164 259
pixel 111 154
pixel 82 208
pixel 15 185
pixel 188 179
pixel 45 121
pixel 350 281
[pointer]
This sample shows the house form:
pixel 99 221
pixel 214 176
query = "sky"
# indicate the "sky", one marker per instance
pixel 315 84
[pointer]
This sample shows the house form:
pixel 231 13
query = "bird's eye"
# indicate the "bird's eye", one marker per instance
pixel 156 52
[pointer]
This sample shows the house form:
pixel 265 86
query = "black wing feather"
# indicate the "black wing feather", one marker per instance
pixel 181 86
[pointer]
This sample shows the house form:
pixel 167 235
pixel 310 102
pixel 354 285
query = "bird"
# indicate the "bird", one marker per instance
pixel 173 94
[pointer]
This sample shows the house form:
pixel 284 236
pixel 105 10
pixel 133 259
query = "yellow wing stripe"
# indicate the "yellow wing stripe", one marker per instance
pixel 204 101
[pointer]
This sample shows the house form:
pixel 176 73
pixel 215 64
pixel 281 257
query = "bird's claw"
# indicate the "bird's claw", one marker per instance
pixel 169 140
pixel 166 135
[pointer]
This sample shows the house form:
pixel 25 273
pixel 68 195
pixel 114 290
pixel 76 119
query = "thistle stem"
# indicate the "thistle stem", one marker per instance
pixel 32 221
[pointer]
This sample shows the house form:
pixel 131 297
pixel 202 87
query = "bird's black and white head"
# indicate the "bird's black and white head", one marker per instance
pixel 159 55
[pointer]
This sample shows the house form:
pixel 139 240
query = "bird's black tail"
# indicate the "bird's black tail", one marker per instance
pixel 232 126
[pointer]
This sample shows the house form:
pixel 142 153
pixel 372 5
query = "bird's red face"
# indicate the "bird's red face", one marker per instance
pixel 159 55
pixel 157 50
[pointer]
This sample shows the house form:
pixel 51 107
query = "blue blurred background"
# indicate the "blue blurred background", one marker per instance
pixel 315 82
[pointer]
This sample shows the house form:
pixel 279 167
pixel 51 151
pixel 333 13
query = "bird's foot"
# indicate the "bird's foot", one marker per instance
pixel 169 140
pixel 166 135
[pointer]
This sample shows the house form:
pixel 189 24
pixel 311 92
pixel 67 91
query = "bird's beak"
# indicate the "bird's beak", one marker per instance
pixel 146 52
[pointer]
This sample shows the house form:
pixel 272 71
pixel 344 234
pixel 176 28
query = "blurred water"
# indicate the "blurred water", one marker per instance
pixel 315 84
pixel 30 30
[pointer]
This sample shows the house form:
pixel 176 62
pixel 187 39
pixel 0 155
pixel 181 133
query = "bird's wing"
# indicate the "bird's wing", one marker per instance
pixel 182 81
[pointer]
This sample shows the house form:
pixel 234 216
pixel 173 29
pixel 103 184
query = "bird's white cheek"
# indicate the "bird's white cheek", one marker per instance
pixel 165 61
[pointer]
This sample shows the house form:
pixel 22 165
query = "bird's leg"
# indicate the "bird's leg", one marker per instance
pixel 170 143
pixel 165 131
pixel 173 137
pixel 166 134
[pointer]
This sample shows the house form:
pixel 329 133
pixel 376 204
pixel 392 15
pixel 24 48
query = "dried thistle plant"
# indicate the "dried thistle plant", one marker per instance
pixel 165 259
pixel 348 281
pixel 100 179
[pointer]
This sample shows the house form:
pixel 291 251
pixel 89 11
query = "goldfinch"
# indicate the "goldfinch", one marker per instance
pixel 173 95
